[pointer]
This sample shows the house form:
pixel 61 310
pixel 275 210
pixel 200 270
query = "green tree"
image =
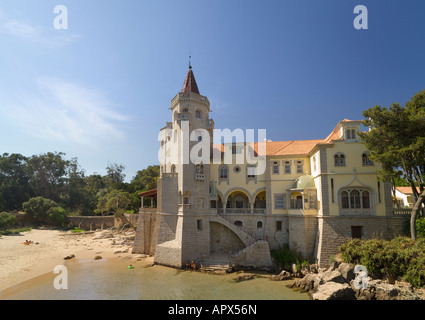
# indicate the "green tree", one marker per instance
pixel 48 174
pixel 7 221
pixel 396 139
pixel 146 179
pixel 45 211
pixel 113 202
pixel 14 177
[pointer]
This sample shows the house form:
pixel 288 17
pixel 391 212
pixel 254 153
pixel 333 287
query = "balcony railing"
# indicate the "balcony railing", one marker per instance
pixel 241 210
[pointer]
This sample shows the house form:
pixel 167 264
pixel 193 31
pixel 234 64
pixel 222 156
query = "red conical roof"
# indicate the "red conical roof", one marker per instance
pixel 190 83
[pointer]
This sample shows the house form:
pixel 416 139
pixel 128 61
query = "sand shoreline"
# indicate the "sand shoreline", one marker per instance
pixel 19 262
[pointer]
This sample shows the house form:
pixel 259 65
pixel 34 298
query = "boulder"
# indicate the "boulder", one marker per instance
pixel 284 275
pixel 333 276
pixel 309 283
pixel 69 257
pixel 334 291
pixel 347 271
pixel 386 291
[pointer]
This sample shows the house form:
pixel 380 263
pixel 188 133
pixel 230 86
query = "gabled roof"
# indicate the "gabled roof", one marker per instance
pixel 406 190
pixel 190 82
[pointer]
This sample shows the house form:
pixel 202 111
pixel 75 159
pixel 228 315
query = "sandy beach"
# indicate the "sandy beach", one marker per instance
pixel 19 262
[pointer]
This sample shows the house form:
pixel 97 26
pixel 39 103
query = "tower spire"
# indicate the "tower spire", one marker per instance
pixel 190 82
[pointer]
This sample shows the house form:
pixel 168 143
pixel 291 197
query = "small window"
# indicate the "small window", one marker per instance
pixel 259 225
pixel 185 110
pixel 356 232
pixel 213 204
pixel 236 169
pixel 287 167
pixel 300 166
pixel 365 160
pixel 186 200
pixel 198 114
pixel 199 224
pixel 238 223
pixel 280 201
pixel 173 168
pixel 278 225
pixel 339 160
pixel 275 167
pixel 223 172
pixel 251 171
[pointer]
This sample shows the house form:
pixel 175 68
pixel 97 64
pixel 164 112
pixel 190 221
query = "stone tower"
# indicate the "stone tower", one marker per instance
pixel 184 184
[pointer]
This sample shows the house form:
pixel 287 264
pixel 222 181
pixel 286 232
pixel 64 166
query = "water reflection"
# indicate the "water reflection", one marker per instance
pixel 112 280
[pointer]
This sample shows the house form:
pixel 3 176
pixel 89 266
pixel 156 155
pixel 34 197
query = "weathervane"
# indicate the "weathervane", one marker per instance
pixel 190 57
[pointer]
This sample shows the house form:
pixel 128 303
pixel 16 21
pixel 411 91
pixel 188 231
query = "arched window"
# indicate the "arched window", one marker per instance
pixel 339 160
pixel 223 172
pixel 173 168
pixel 200 168
pixel 365 160
pixel 355 200
pixel 238 223
pixel 259 224
pixel 275 167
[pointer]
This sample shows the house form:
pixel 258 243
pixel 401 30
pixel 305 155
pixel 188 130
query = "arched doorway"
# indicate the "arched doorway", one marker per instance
pixel 237 202
pixel 260 202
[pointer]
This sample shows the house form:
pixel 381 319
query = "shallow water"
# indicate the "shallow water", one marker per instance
pixel 112 280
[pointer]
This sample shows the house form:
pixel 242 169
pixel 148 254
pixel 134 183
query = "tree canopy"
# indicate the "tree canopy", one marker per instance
pixel 396 139
pixel 63 181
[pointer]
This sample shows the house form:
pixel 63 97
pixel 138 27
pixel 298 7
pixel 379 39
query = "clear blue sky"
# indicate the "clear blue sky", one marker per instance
pixel 100 90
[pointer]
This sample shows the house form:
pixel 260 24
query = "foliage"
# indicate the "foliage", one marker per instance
pixel 77 230
pixel 45 211
pixel 7 221
pixel 400 257
pixel 54 177
pixel 285 257
pixel 396 139
pixel 113 202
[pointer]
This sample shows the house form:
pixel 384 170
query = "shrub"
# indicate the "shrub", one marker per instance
pixel 45 211
pixel 285 257
pixel 7 221
pixel 400 257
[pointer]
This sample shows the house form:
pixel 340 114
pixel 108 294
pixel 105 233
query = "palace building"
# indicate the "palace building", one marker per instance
pixel 310 195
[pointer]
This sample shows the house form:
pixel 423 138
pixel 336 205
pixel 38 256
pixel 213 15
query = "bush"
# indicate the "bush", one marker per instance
pixel 400 257
pixel 45 211
pixel 285 257
pixel 7 221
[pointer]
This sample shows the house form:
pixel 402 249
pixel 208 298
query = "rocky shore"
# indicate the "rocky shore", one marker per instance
pixel 340 282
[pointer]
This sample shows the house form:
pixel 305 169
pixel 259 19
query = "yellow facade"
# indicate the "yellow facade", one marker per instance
pixel 344 179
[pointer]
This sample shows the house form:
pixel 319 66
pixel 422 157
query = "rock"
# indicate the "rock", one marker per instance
pixel 69 257
pixel 284 275
pixel 334 291
pixel 347 271
pixel 244 277
pixel 386 291
pixel 333 276
pixel 104 235
pixel 140 257
pixel 310 282
pixel 121 251
pixel 97 258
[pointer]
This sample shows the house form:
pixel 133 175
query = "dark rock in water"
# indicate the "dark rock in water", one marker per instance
pixel 244 277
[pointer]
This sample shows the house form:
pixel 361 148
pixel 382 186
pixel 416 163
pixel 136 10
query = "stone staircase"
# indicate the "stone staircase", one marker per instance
pixel 245 236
